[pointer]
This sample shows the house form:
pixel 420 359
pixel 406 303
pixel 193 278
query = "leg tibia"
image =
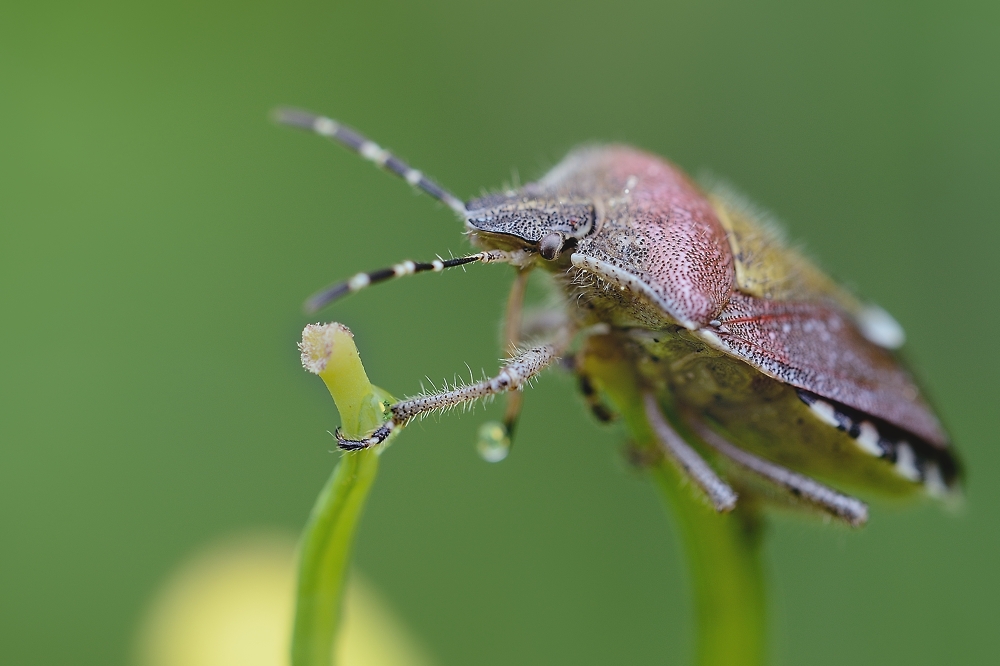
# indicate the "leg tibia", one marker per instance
pixel 722 497
pixel 513 376
pixel 849 509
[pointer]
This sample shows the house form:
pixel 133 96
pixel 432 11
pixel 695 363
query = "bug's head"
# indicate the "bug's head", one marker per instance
pixel 521 221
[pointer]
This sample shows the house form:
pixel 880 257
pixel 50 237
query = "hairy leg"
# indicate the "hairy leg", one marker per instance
pixel 517 372
pixel 847 508
pixel 722 497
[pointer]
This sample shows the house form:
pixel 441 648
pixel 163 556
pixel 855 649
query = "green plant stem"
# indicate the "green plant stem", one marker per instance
pixel 728 588
pixel 722 550
pixel 324 556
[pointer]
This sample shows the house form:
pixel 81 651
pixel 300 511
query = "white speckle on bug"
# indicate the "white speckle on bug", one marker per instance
pixel 867 439
pixel 359 281
pixel 825 412
pixel 438 265
pixel 934 482
pixel 325 126
pixel 413 177
pixel 712 339
pixel 906 462
pixel 879 326
pixel 372 151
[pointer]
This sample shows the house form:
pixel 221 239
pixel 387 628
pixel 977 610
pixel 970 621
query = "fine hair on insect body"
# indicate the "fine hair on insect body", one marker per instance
pixel 774 373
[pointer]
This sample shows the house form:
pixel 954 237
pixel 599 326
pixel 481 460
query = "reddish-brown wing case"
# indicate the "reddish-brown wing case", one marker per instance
pixel 659 236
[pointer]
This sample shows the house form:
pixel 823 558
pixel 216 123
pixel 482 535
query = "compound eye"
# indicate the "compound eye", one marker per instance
pixel 550 246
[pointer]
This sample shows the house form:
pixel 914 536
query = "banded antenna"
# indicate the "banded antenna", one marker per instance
pixel 362 280
pixel 369 150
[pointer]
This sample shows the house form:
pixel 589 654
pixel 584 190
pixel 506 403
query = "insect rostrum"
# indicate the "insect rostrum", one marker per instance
pixel 781 373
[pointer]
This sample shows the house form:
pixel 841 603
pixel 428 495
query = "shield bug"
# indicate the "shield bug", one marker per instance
pixel 780 374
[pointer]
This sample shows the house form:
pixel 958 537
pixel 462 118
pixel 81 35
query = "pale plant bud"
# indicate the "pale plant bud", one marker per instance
pixel 328 350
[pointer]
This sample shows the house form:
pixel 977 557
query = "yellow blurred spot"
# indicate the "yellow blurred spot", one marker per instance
pixel 231 605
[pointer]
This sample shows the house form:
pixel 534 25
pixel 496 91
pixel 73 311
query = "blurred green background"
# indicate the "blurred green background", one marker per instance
pixel 158 235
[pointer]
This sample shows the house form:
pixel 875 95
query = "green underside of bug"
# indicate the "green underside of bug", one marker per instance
pixel 752 410
pixel 760 414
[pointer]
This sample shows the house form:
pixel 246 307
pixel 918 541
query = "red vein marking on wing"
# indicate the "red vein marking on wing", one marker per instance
pixel 817 348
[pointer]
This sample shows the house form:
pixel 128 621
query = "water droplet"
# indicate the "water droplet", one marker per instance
pixel 494 442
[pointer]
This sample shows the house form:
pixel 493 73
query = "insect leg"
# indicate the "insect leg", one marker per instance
pixel 512 338
pixel 518 371
pixel 722 497
pixel 597 406
pixel 847 508
pixel 369 150
pixel 362 280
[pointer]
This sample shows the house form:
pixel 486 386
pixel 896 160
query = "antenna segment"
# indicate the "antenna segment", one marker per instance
pixel 369 150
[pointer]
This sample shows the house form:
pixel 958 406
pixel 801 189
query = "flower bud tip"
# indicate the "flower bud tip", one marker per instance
pixel 317 344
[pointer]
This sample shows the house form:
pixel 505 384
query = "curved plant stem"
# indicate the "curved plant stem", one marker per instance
pixel 324 557
pixel 722 550
pixel 728 588
pixel 329 351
